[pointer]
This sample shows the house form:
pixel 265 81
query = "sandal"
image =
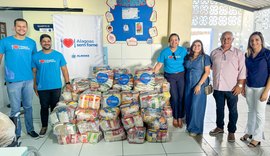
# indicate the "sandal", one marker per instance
pixel 252 145
pixel 175 123
pixel 245 137
pixel 180 123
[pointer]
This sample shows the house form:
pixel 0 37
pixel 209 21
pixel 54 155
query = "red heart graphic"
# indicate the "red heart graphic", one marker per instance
pixel 68 42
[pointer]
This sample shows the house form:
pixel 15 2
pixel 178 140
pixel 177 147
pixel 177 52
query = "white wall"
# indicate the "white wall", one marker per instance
pixel 8 18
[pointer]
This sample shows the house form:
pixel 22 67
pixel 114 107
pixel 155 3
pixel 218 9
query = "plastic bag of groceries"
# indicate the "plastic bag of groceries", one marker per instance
pixel 167 112
pixel 64 129
pixel 157 135
pixel 94 137
pixel 151 99
pixel 115 135
pixel 150 114
pixel 144 79
pixel 133 121
pixel 88 126
pixel 60 115
pixel 80 84
pixel 89 99
pixel 112 98
pixel 166 98
pixel 162 85
pixel 159 124
pixel 109 113
pixel 108 125
pixel 129 97
pixel 136 135
pixel 130 109
pixel 123 79
pixel 86 114
pixel 104 77
pixel 7 130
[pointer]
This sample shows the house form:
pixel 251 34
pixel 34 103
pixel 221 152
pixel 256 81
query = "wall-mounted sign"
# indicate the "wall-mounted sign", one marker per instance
pixel 43 27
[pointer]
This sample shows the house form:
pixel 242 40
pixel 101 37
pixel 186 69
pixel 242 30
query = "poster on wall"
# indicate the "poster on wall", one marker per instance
pixel 133 19
pixel 79 38
pixel 3 30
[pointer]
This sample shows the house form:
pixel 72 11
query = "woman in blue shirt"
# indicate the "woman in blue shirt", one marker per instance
pixel 172 58
pixel 257 88
pixel 197 65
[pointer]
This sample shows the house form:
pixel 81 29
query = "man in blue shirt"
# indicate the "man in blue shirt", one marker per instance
pixel 46 66
pixel 18 50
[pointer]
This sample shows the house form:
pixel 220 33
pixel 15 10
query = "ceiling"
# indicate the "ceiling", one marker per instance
pixel 249 5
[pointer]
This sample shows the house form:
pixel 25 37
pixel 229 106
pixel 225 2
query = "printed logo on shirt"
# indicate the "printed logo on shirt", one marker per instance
pixel 171 57
pixel 47 61
pixel 18 47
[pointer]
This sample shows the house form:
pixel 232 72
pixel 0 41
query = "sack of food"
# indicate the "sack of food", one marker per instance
pixel 136 135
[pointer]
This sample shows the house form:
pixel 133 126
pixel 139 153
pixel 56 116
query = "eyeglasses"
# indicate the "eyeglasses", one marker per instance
pixel 173 54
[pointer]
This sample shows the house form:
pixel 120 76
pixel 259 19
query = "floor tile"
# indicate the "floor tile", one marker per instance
pixel 181 143
pixel 188 154
pixel 140 149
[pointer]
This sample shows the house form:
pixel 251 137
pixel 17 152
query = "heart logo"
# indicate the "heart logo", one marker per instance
pixel 68 42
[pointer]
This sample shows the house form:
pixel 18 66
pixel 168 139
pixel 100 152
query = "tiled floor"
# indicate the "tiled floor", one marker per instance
pixel 180 144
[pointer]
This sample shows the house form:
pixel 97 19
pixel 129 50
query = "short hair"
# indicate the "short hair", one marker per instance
pixel 43 36
pixel 173 34
pixel 20 20
pixel 226 32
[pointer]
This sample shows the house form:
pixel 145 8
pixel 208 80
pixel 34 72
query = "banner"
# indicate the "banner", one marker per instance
pixel 79 39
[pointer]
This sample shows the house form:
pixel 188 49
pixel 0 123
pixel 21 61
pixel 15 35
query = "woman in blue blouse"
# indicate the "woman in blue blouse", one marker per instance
pixel 172 58
pixel 257 87
pixel 197 65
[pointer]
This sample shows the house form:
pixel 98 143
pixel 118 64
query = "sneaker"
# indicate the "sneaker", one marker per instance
pixel 231 137
pixel 216 131
pixel 192 134
pixel 33 134
pixel 43 131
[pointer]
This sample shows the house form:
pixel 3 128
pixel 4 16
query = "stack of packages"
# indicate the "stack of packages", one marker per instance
pixel 79 85
pixel 123 79
pixel 63 121
pixel 109 117
pixel 144 80
pixel 152 105
pixel 103 78
pixel 87 117
pixel 131 117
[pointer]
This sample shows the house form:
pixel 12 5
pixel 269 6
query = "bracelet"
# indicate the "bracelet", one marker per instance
pixel 67 83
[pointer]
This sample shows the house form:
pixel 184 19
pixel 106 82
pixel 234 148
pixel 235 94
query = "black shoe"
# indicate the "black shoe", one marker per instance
pixel 33 134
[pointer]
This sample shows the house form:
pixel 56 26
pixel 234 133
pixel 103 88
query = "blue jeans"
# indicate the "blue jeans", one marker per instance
pixel 221 97
pixel 21 92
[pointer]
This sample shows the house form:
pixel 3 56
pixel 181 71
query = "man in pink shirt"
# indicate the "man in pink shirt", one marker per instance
pixel 229 74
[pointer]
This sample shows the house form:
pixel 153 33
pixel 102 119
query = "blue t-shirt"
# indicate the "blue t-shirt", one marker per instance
pixel 258 69
pixel 18 57
pixel 172 65
pixel 48 69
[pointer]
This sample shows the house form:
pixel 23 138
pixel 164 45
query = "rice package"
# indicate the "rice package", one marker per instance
pixel 136 135
pixel 123 79
pixel 144 80
pixel 115 135
pixel 107 125
pixel 89 99
pixel 109 113
pixel 157 135
pixel 80 84
pixel 111 99
pixel 129 97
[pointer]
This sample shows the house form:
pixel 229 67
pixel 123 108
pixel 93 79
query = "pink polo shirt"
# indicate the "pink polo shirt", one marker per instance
pixel 227 68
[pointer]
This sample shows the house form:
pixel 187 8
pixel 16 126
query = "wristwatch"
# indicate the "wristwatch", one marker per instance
pixel 67 83
pixel 240 85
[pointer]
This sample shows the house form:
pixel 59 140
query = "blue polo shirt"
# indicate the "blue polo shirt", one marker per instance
pixel 48 69
pixel 170 64
pixel 18 57
pixel 258 69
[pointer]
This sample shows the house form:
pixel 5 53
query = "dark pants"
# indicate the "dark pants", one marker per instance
pixel 220 97
pixel 47 98
pixel 177 84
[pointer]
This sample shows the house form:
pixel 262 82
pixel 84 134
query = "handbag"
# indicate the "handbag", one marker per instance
pixel 209 88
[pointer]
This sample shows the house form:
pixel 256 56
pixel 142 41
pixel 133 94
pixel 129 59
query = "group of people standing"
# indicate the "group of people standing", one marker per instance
pixel 27 70
pixel 234 73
